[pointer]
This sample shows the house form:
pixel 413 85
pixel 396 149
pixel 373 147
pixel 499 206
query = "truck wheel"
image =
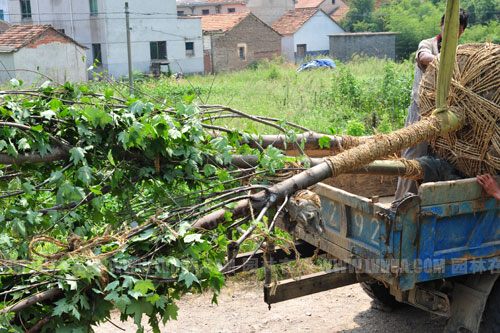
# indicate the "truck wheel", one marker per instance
pixel 490 322
pixel 380 293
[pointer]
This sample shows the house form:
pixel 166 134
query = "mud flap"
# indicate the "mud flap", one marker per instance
pixel 468 302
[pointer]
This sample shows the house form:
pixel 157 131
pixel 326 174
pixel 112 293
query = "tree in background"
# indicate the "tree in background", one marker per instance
pixel 360 16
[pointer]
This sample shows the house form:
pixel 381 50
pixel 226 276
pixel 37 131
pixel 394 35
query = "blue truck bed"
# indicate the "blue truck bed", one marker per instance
pixel 450 228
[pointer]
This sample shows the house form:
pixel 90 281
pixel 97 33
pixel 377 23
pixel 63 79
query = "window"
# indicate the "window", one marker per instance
pixel 190 48
pixel 60 30
pixel 96 53
pixel 242 51
pixel 1 15
pixel 333 2
pixel 180 13
pixel 231 10
pixel 205 12
pixel 93 7
pixel 217 9
pixel 158 50
pixel 25 9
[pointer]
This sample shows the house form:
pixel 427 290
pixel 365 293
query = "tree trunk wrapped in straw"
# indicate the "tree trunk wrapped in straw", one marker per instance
pixel 474 98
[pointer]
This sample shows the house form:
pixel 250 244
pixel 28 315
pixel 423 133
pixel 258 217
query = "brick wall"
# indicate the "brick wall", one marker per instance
pixel 49 36
pixel 381 45
pixel 261 43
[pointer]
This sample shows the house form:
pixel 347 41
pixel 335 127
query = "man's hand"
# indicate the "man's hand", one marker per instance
pixel 489 185
pixel 425 58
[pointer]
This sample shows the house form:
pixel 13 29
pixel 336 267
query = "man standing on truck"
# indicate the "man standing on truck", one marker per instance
pixel 427 50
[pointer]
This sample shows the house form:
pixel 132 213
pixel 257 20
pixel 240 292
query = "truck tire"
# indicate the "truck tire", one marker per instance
pixel 380 293
pixel 490 322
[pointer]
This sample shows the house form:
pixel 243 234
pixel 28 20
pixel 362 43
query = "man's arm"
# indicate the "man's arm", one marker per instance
pixel 425 58
pixel 490 185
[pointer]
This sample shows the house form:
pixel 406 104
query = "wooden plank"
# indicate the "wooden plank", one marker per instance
pixel 309 284
pixel 364 185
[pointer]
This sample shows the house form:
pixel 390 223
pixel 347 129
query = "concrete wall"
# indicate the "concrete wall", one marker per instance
pixel 270 10
pixel 288 48
pixel 260 40
pixel 314 33
pixel 52 55
pixel 377 44
pixel 6 61
pixel 223 9
pixel 108 29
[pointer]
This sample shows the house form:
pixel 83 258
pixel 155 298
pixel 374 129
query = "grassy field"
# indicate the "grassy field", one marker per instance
pixel 355 98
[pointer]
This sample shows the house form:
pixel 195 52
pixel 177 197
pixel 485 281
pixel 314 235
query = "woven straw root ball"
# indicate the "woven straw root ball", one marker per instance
pixel 475 91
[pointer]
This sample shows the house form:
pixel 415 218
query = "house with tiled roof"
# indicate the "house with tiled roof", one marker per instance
pixel 234 41
pixel 305 32
pixel 336 9
pixel 26 50
pixel 208 7
pixel 157 35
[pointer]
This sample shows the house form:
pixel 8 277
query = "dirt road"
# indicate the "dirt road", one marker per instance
pixel 242 309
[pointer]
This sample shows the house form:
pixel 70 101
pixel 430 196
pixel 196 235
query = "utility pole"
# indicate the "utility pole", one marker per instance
pixel 129 51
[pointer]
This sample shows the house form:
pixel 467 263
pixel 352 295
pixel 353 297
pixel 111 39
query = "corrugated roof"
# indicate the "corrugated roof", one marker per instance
pixel 292 20
pixel 221 22
pixel 308 3
pixel 18 36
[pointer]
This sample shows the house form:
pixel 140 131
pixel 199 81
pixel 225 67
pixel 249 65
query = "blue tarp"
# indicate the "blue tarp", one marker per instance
pixel 313 64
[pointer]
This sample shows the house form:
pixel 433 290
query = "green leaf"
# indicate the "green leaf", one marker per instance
pixel 3 144
pixel 37 128
pixel 19 227
pixel 85 175
pixel 153 298
pixel 48 114
pixel 183 228
pixel 137 107
pixel 77 154
pixel 143 286
pixel 28 188
pixel 188 277
pixel 11 150
pixel 172 310
pixel 174 262
pixel 23 144
pixel 110 158
pixel 193 238
pixel 209 169
pixel 323 142
pixel 112 285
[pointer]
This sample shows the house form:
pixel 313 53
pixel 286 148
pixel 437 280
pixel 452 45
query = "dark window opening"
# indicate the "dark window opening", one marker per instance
pixel 333 2
pixel 301 50
pixel 180 13
pixel 217 9
pixel 60 30
pixel 158 50
pixel 96 54
pixel 25 9
pixel 231 10
pixel 93 7
pixel 190 48
pixel 1 15
pixel 205 12
pixel 241 51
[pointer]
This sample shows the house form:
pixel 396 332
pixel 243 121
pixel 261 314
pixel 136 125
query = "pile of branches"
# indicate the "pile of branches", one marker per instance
pixel 98 196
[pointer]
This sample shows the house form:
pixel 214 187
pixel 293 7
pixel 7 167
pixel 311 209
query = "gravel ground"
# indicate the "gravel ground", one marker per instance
pixel 242 309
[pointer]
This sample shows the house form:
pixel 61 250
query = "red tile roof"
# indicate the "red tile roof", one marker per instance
pixel 308 3
pixel 292 20
pixel 221 22
pixel 340 13
pixel 18 36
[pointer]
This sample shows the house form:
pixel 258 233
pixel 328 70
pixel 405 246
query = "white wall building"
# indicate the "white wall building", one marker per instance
pixel 27 50
pixel 156 32
pixel 305 32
